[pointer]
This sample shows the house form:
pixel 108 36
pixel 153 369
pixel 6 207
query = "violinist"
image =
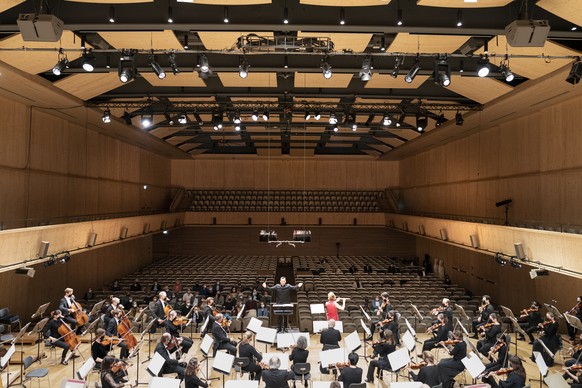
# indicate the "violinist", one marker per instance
pixel 51 331
pixel 549 337
pixel 275 377
pixel 574 373
pixel 440 332
pixel 112 331
pixel 352 374
pixel 444 308
pixel 577 311
pixel 381 314
pixel 160 310
pixel 451 367
pixel 428 371
pixel 245 349
pixel 381 350
pixel 191 379
pixel 299 352
pixel 221 339
pixel 171 365
pixel 392 324
pixel 173 324
pixel 107 375
pixel 485 310
pixel 516 375
pixel 209 310
pixel 332 306
pixel 66 307
pixel 501 349
pixel 100 348
pixel 490 331
pixel 529 320
pixel 575 352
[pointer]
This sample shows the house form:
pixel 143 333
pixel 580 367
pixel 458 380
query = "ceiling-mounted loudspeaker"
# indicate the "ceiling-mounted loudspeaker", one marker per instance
pixel 92 239
pixel 123 233
pixel 444 236
pixel 146 228
pixel 475 241
pixel 40 28
pixel 26 271
pixel 527 33
pixel 421 230
pixel 519 251
pixel 164 224
pixel 534 273
pixel 44 247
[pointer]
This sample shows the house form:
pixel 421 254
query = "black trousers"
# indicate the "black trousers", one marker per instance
pixel 63 345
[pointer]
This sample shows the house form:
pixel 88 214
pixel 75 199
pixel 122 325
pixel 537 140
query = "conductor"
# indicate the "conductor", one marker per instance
pixel 282 296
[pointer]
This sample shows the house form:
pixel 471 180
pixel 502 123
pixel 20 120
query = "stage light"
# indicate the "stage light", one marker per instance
pixel 183 118
pixel 342 19
pixel 307 115
pixel 106 116
pixel 369 120
pixel 226 19
pixel 255 115
pixel 386 120
pixel 421 123
pixel 575 72
pixel 326 70
pixel 170 15
pixel 413 71
pixel 459 18
pixel 499 260
pixel 126 117
pixel 173 66
pixel 61 65
pixel 65 258
pixel 237 127
pixel 286 15
pixel 204 65
pixel 332 119
pixel 217 121
pixel 236 118
pixel 186 45
pixel 146 121
pixel 383 43
pixel 442 72
pixel 243 70
pixel 111 14
pixel 506 72
pixel 199 120
pixel 483 67
pixel 157 68
pixel 169 120
pixel 401 120
pixel 286 63
pixel 126 68
pixel 399 19
pixel 352 121
pixel 335 128
pixel 461 66
pixel 316 115
pixel 459 118
pixel 397 65
pixel 366 70
pixel 266 115
pixel 440 120
pixel 515 264
pixel 88 62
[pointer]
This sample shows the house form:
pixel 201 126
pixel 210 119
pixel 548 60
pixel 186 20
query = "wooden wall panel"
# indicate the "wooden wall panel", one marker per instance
pixel 49 145
pixel 13 198
pixel 14 132
pixel 297 219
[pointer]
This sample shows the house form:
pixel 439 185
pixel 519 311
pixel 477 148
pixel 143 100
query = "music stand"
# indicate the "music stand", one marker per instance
pixel 417 314
pixel 156 364
pixel 541 364
pixel 409 341
pixel 238 317
pixel 135 352
pixel 139 318
pixel 473 348
pixel 205 346
pixel 267 336
pixel 317 309
pixel 474 365
pixel 462 313
pixel 90 329
pixel 556 381
pixel 367 333
pixel 5 362
pixel 412 331
pixel 283 310
pixel 164 382
pixel 553 310
pixel 352 341
pixel 399 359
pixel 147 330
pixel 518 329
pixel 38 330
pixel 86 368
pixel 242 384
pixel 223 363
pixel 40 311
pixel 573 321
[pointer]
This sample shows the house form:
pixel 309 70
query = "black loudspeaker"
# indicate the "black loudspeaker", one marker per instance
pixel 320 221
pixel 123 233
pixel 355 221
pixel 92 239
pixel 250 221
pixel 213 220
pixel 44 247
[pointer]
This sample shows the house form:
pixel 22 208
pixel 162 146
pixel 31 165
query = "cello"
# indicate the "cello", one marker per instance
pixel 124 329
pixel 81 316
pixel 68 335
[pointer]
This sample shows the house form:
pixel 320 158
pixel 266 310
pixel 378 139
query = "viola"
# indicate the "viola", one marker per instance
pixel 180 321
pixel 451 342
pixel 504 371
pixel 419 365
pixel 120 365
pixel 339 365
pixel 575 367
pixel 496 348
pixel 167 309
pixel 384 322
pixel 435 327
pixel 68 335
pixel 106 341
pixel 124 329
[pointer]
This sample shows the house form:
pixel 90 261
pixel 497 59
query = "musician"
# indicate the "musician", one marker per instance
pixel 501 348
pixel 245 349
pixel 112 331
pixel 51 331
pixel 282 296
pixel 577 311
pixel 440 332
pixel 108 376
pixel 299 353
pixel 429 373
pixel 381 313
pixel 485 310
pixel 170 365
pixel 221 339
pixel 332 306
pixel 381 350
pixel 352 374
pixel 490 331
pixel 575 375
pixel 191 379
pixel 550 338
pixel 450 367
pixel 66 307
pixel 98 350
pixel 159 311
pixel 575 352
pixel 515 379
pixel 392 325
pixel 209 311
pixel 275 377
pixel 173 325
pixel 113 306
pixel 445 308
pixel 331 335
pixel 530 319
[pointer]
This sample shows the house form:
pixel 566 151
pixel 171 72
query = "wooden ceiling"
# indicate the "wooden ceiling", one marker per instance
pixel 285 67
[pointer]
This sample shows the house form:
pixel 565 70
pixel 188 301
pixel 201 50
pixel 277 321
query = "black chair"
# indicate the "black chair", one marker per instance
pixel 360 385
pixel 239 364
pixel 301 371
pixel 38 373
pixel 7 319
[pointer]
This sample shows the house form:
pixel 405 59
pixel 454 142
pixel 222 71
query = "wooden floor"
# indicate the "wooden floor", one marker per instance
pixel 59 373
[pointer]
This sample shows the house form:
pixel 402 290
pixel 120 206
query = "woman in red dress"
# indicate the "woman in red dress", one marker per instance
pixel 332 306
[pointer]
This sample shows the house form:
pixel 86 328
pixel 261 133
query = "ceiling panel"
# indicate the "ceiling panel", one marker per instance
pixel 190 79
pixel 7 4
pixel 225 40
pixel 464 4
pixel 386 81
pixel 307 138
pixel 89 85
pixel 381 148
pixel 142 40
pixel 342 41
pixel 345 3
pixel 390 141
pixel 570 10
pixel 35 62
pixel 407 43
pixel 302 151
pixel 316 80
pixel 111 1
pixel 253 80
pixel 407 134
pixel 227 2
pixel 478 89
pixel 162 132
pixel 178 139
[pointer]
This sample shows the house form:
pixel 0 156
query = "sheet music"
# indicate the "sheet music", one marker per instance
pixel 333 356
pixel 317 308
pixel 266 335
pixel 399 358
pixel 406 384
pixel 473 364
pixel 541 363
pixel 206 344
pixel 86 368
pixel 365 313
pixel 164 382
pixel 324 384
pixel 556 381
pixel 365 327
pixel 242 384
pixel 240 312
pixel 223 362
pixel 254 325
pixel 156 364
pixel 285 340
pixel 352 341
pixel 4 360
pixel 410 328
pixel 203 328
pixel 408 340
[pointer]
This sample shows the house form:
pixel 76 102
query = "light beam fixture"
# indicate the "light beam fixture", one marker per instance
pixel 366 70
pixel 266 115
pixel 442 72
pixel 106 116
pixel 61 65
pixel 243 69
pixel 386 120
pixel 459 18
pixel 173 66
pixel 236 118
pixel 413 71
pixel 111 14
pixel 255 115
pixel 226 19
pixel 575 72
pixel 204 65
pixel 217 121
pixel 397 65
pixel 421 123
pixel 88 61
pixel 286 63
pixel 399 19
pixel 459 118
pixel 326 69
pixel 183 118
pixel 157 68
pixel 286 15
pixel 483 67
pixel 147 120
pixel 332 119
pixel 316 116
pixel 170 15
pixel 440 120
pixel 126 67
pixel 342 19
pixel 186 45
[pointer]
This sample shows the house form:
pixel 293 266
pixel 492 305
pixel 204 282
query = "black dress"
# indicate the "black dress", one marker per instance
pixel 450 367
pixel 194 382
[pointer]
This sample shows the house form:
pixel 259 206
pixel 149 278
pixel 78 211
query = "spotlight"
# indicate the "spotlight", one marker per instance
pixel 499 260
pixel 61 65
pixel 574 28
pixel 307 115
pixel 157 68
pixel 421 123
pixel 204 65
pixel 399 20
pixel 335 128
pixel 217 121
pixel 342 19
pixel 172 60
pixel 332 119
pixel 461 66
pixel 383 43
pixel 442 72
pixel 413 71
pixel 326 70
pixel 286 15
pixel 146 121
pixel 386 120
pixel 370 119
pixel 169 120
pixel 352 121
pixel 236 118
pixel 51 261
pixel 459 118
pixel 111 14
pixel 316 115
pixel 286 64
pixel 397 65
pixel 186 45
pixel 483 67
pixel 243 70
pixel 575 72
pixel 237 127
pixel 440 120
pixel 170 15
pixel 266 115
pixel 126 117
pixel 126 68
pixel 199 120
pixel 401 120
pixel 459 18
pixel 515 264
pixel 66 258
pixel 226 20
pixel 183 119
pixel 106 116
pixel 88 62
pixel 366 70
pixel 506 72
pixel 255 115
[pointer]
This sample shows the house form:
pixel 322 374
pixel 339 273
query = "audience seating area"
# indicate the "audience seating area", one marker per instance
pixel 282 201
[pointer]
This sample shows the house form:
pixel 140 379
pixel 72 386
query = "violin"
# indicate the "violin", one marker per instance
pixel 120 365
pixel 451 342
pixel 578 306
pixel 525 312
pixel 503 371
pixel 496 348
pixel 106 341
pixel 68 335
pixel 486 326
pixel 167 309
pixel 380 342
pixel 339 365
pixel 180 321
pixel 575 367
pixel 575 349
pixel 545 323
pixel 263 365
pixel 384 322
pixel 434 327
pixel 419 365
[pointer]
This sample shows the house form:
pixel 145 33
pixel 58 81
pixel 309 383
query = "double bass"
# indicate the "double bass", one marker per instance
pixel 68 335
pixel 124 330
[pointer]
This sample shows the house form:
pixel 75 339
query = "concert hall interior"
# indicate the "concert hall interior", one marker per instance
pixel 351 147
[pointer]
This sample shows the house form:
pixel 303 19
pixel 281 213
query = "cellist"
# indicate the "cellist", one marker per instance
pixel 51 331
pixel 111 331
pixel 66 307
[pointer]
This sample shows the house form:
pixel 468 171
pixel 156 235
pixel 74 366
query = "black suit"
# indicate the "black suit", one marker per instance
pixel 173 330
pixel 551 339
pixel 158 313
pixel 330 336
pixel 428 375
pixel 282 296
pixel 487 343
pixel 276 378
pixel 170 365
pixel 513 381
pixel 441 335
pixel 111 331
pixel 64 306
pixel 221 340
pixel 382 351
pixel 351 375
pixel 194 382
pixel 484 318
pixel 299 356
pixel 249 351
